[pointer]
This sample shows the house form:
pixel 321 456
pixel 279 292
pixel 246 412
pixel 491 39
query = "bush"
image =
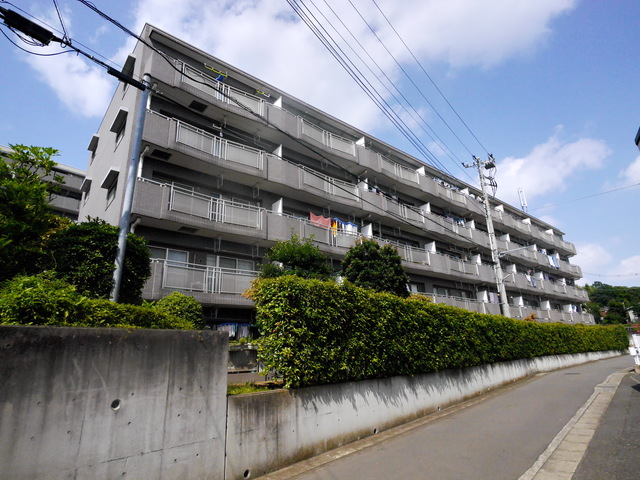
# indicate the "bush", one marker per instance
pixel 182 306
pixel 298 257
pixel 369 265
pixel 318 332
pixel 46 300
pixel 84 255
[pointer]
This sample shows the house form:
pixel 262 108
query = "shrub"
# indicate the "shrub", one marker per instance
pixel 298 257
pixel 182 306
pixel 84 255
pixel 318 332
pixel 46 300
pixel 369 265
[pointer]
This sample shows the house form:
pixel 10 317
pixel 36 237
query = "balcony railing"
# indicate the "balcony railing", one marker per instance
pixel 215 209
pixel 221 91
pixel 330 185
pixel 328 139
pixel 206 279
pixel 218 147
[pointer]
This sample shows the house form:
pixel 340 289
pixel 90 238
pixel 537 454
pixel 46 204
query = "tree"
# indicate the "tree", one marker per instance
pixel 369 265
pixel 298 257
pixel 618 301
pixel 84 255
pixel 26 184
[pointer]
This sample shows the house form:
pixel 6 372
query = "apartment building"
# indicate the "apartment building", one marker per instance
pixel 66 202
pixel 231 165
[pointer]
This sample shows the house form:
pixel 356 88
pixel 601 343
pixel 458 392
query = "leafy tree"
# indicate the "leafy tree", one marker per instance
pixel 84 255
pixel 298 257
pixel 617 300
pixel 369 265
pixel 26 184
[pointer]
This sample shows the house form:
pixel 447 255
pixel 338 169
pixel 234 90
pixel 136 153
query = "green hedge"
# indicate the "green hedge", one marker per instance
pixel 45 300
pixel 321 332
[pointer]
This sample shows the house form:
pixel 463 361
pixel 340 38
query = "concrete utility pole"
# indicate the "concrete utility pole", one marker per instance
pixel 493 243
pixel 132 172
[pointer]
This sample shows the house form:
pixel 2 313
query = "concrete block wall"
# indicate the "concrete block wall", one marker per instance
pixel 111 403
pixel 269 430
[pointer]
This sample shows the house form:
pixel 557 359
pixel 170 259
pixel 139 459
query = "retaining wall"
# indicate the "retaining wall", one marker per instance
pixel 110 403
pixel 269 430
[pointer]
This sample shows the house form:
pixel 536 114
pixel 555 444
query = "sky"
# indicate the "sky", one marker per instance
pixel 549 87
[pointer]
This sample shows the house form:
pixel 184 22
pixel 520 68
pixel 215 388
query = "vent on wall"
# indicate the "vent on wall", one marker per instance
pixel 197 106
pixel 160 154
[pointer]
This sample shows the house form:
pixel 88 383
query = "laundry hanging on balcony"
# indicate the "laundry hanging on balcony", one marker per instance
pixel 338 225
pixel 220 76
pixel 319 220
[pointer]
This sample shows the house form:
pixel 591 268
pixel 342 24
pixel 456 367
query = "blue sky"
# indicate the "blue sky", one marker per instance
pixel 550 87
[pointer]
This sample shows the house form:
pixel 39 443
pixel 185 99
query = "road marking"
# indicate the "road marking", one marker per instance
pixel 561 458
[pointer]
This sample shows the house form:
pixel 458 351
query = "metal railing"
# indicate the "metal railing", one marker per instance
pixel 201 278
pixel 215 209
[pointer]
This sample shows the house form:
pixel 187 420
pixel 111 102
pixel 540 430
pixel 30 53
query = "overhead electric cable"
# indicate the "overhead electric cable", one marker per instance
pixel 257 115
pixel 360 79
pixel 429 77
pixel 422 122
pixel 585 197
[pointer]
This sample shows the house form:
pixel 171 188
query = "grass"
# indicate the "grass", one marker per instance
pixel 251 387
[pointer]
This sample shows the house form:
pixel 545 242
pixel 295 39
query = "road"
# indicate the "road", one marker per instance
pixel 496 437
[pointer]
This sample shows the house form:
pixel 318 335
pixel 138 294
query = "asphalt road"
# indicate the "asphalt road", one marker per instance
pixel 497 437
pixel 614 450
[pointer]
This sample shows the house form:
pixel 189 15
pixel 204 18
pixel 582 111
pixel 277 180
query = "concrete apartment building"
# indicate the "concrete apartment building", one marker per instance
pixel 66 202
pixel 231 164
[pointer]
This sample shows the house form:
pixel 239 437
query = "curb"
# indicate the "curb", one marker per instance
pixel 561 458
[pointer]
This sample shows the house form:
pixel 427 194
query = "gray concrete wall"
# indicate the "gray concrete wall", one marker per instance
pixel 270 430
pixel 111 403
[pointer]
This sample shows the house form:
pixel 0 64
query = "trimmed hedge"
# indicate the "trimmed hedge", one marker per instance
pixel 320 332
pixel 45 300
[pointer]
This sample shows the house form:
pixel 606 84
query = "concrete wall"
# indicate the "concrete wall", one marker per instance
pixel 270 430
pixel 111 403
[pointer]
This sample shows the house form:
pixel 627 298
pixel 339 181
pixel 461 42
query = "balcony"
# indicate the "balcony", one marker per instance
pixel 184 207
pixel 467 304
pixel 328 139
pixel 207 284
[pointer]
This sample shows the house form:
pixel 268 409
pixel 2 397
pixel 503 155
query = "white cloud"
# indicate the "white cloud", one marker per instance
pixel 631 174
pixel 549 167
pixel 266 38
pixel 82 88
pixel 474 32
pixel 626 272
pixel 593 259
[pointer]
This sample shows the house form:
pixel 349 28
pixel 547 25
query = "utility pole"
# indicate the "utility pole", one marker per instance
pixel 17 22
pixel 493 243
pixel 132 173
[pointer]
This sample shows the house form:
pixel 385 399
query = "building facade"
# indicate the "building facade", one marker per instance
pixel 231 165
pixel 66 202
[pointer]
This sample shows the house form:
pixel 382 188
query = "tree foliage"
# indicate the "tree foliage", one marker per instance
pixel 296 256
pixel 44 299
pixel 26 184
pixel 369 265
pixel 84 255
pixel 323 332
pixel 616 301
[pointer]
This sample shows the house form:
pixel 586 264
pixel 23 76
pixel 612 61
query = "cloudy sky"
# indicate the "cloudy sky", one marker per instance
pixel 549 87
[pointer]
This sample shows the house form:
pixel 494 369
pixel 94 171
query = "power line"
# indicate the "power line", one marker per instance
pixel 429 77
pixel 583 198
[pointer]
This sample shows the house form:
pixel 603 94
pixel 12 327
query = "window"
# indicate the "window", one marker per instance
pixel 93 147
pixel 173 257
pixel 119 124
pixel 111 193
pixel 230 263
pixel 110 183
